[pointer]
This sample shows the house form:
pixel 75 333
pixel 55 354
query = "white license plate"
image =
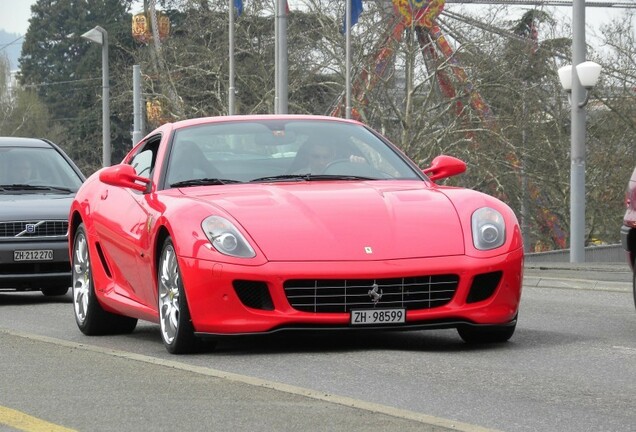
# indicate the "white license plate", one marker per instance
pixel 33 255
pixel 377 316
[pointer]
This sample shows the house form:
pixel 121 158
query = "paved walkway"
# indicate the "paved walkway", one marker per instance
pixel 597 276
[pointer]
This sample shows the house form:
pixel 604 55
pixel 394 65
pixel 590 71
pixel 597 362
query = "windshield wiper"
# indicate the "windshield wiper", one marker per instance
pixel 310 177
pixel 203 182
pixel 337 177
pixel 282 177
pixel 17 186
pixel 61 189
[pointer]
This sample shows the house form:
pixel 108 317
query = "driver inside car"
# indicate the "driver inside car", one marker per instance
pixel 317 156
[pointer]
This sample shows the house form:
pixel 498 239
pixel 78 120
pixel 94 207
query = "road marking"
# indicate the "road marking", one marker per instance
pixel 258 382
pixel 629 350
pixel 24 422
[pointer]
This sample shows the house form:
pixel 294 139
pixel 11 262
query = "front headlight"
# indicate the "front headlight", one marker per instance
pixel 226 238
pixel 489 229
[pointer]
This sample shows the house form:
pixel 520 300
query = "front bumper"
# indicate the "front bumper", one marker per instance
pixel 216 309
pixel 34 275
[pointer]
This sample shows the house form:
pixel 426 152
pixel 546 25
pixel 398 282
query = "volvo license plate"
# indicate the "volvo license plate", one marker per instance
pixel 33 255
pixel 378 316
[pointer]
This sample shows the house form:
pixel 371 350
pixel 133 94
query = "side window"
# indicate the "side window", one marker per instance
pixel 142 163
pixel 144 160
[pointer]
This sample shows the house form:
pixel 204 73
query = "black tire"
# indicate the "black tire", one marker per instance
pixel 177 331
pixel 486 334
pixel 90 317
pixel 54 291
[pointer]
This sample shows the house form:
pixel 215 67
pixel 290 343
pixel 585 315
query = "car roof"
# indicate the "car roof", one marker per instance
pixel 257 117
pixel 23 142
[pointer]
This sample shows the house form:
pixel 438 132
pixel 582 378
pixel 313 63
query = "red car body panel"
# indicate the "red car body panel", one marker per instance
pixel 311 220
pixel 299 230
pixel 218 309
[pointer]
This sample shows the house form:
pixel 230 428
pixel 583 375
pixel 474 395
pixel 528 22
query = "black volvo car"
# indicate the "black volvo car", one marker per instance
pixel 37 184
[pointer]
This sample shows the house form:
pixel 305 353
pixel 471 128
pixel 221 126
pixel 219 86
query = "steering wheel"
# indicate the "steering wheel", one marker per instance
pixel 335 163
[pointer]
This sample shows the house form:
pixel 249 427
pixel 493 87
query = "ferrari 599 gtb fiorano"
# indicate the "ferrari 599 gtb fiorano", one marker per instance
pixel 257 224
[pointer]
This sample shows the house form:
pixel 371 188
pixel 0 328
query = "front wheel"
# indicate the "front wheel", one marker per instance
pixel 486 334
pixel 177 331
pixel 90 317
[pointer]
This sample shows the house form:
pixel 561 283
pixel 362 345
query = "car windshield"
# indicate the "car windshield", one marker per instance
pixel 282 150
pixel 36 169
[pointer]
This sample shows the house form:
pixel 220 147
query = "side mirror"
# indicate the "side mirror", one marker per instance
pixel 123 175
pixel 444 166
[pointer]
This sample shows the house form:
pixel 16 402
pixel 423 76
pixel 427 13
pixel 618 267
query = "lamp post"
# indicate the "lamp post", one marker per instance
pixel 231 90
pixel 100 36
pixel 348 59
pixel 578 81
pixel 281 57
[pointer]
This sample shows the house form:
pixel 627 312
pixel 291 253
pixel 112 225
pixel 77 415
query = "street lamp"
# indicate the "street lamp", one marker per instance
pixel 578 81
pixel 588 73
pixel 100 36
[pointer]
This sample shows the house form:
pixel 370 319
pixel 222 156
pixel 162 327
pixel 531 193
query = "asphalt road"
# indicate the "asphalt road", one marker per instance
pixel 571 366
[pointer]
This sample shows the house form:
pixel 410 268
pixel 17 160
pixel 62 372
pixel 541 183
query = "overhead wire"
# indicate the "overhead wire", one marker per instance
pixel 13 42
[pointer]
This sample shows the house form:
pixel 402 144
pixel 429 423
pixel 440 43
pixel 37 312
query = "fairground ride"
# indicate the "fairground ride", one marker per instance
pixel 453 82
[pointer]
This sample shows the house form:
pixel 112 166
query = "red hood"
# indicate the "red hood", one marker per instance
pixel 342 221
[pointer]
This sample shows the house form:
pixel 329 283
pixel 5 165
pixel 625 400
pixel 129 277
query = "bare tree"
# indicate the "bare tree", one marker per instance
pixel 611 152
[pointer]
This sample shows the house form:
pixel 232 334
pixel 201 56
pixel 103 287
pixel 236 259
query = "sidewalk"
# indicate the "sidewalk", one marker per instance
pixel 615 276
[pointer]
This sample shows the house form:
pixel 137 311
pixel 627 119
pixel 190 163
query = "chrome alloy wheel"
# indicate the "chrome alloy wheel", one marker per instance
pixel 81 277
pixel 169 282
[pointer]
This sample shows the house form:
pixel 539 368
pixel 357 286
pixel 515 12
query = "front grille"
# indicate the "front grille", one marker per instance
pixel 342 295
pixel 34 229
pixel 40 268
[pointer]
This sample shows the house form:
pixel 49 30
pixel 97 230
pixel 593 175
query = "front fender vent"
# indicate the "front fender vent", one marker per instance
pixel 254 294
pixel 483 286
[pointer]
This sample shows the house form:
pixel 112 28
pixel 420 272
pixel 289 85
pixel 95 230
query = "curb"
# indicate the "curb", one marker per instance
pixel 581 284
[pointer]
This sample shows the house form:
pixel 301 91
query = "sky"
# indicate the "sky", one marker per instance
pixel 14 14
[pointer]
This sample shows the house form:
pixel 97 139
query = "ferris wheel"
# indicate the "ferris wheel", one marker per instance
pixel 423 16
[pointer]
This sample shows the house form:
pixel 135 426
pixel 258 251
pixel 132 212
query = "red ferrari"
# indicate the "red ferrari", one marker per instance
pixel 256 224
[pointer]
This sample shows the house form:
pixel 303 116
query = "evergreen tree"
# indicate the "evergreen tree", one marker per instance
pixel 65 71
